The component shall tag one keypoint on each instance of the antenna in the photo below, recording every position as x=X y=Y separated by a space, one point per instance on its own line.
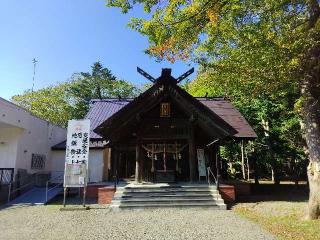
x=146 y=75
x=186 y=74
x=34 y=61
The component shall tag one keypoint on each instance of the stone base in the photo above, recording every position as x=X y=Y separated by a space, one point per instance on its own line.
x=105 y=194
x=227 y=193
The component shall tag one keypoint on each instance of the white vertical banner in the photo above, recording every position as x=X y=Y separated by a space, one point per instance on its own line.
x=201 y=163
x=77 y=153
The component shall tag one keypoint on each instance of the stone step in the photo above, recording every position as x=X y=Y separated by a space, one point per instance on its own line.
x=172 y=195
x=167 y=192
x=170 y=187
x=159 y=190
x=161 y=195
x=171 y=205
x=169 y=200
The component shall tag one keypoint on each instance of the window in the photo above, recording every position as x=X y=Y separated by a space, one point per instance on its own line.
x=38 y=161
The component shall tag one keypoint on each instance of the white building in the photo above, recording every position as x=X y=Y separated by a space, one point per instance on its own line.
x=26 y=140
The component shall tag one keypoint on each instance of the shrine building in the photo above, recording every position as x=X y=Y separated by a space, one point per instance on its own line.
x=163 y=135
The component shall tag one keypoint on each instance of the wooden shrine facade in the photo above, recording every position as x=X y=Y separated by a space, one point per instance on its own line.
x=156 y=136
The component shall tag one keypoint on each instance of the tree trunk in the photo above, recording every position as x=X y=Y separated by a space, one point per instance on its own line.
x=311 y=93
x=248 y=165
x=256 y=170
x=310 y=89
x=242 y=160
x=275 y=173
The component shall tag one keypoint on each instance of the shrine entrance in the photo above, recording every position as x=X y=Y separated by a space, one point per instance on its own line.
x=166 y=161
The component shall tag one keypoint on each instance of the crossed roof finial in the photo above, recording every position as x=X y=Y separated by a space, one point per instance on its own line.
x=166 y=72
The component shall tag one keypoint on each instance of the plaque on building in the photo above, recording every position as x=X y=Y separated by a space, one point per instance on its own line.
x=165 y=110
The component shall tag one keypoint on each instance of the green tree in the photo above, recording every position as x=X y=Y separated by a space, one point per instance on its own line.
x=256 y=46
x=51 y=103
x=98 y=84
x=70 y=100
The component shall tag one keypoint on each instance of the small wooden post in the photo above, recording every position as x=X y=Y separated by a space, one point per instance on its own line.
x=84 y=196
x=64 y=196
x=192 y=154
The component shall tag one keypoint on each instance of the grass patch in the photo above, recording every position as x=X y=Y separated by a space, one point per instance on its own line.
x=283 y=219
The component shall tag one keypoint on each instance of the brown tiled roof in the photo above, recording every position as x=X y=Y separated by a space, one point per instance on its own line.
x=101 y=110
x=231 y=115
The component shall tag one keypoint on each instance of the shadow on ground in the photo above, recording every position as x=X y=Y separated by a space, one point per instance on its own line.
x=271 y=192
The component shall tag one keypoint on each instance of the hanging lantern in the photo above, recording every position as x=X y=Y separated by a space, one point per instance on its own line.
x=155 y=157
x=148 y=154
x=179 y=156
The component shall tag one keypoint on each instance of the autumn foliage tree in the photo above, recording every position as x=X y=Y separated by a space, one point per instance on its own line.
x=256 y=47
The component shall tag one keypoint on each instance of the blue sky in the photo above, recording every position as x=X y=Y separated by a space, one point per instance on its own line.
x=67 y=37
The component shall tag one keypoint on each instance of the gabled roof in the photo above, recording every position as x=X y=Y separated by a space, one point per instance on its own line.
x=101 y=110
x=166 y=87
x=231 y=115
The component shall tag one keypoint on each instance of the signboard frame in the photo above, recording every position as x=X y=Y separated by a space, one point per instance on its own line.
x=77 y=156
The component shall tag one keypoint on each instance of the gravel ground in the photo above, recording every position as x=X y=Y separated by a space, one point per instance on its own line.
x=49 y=222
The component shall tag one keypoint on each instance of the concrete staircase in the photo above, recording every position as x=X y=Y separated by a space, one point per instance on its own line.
x=140 y=196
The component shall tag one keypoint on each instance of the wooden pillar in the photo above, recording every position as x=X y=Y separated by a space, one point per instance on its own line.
x=192 y=155
x=138 y=172
x=106 y=163
x=115 y=162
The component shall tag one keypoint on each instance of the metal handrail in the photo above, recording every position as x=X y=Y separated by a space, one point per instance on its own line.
x=209 y=171
x=55 y=186
x=215 y=179
x=21 y=187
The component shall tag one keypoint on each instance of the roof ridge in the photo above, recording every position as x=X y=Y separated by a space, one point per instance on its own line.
x=111 y=99
x=211 y=98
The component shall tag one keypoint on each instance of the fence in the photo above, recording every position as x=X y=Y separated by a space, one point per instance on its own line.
x=6 y=176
